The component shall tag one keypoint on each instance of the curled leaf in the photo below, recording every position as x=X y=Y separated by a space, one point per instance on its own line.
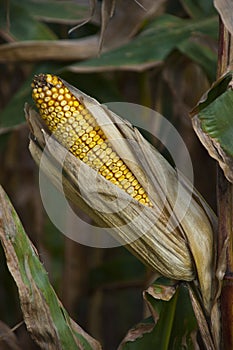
x=212 y=120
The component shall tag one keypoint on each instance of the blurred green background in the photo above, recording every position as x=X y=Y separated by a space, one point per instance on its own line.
x=161 y=54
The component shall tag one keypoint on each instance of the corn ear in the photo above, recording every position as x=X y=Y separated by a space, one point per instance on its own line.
x=76 y=128
x=181 y=250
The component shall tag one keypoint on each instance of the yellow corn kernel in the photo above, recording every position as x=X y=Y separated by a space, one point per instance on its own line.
x=74 y=126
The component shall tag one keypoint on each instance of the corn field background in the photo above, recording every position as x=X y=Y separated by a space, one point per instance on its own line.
x=160 y=54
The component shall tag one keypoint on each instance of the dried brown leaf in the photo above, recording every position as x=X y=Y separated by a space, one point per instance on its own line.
x=225 y=9
x=107 y=10
x=59 y=50
x=160 y=292
x=135 y=333
x=202 y=321
x=121 y=20
x=88 y=19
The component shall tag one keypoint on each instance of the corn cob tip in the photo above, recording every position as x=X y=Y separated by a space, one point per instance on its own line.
x=39 y=80
x=42 y=80
x=76 y=128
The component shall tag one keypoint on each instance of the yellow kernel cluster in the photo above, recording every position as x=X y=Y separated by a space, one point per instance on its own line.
x=76 y=128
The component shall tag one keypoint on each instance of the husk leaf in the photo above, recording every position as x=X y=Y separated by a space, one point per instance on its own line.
x=175 y=237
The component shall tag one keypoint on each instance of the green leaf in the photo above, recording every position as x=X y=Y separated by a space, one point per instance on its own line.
x=151 y=46
x=199 y=8
x=57 y=11
x=22 y=26
x=175 y=328
x=38 y=298
x=217 y=121
x=217 y=89
x=216 y=113
x=213 y=123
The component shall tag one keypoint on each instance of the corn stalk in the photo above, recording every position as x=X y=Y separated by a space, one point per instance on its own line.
x=225 y=209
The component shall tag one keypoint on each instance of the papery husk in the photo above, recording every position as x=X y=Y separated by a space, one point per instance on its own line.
x=175 y=237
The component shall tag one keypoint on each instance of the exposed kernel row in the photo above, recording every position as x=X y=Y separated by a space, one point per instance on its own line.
x=74 y=126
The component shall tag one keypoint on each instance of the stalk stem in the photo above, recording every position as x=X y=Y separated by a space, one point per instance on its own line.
x=225 y=213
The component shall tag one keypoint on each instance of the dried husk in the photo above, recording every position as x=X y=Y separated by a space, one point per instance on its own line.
x=175 y=237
